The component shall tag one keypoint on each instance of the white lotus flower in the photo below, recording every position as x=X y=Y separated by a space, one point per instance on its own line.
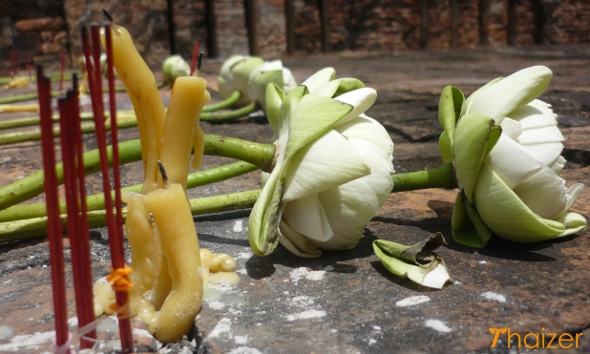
x=235 y=76
x=174 y=67
x=270 y=72
x=333 y=172
x=515 y=189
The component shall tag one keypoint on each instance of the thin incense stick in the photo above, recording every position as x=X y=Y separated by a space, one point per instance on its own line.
x=195 y=55
x=54 y=230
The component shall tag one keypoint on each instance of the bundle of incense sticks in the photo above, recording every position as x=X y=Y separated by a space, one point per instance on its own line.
x=77 y=222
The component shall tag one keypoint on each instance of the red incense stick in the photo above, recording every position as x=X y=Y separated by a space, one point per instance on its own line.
x=115 y=239
x=63 y=69
x=194 y=60
x=95 y=48
x=122 y=296
x=76 y=208
x=54 y=229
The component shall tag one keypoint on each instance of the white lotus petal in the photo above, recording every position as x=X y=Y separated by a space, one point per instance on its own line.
x=539 y=104
x=367 y=128
x=511 y=128
x=511 y=162
x=271 y=65
x=544 y=193
x=328 y=89
x=381 y=168
x=515 y=90
x=572 y=193
x=353 y=204
x=573 y=222
x=323 y=164
x=289 y=82
x=558 y=165
x=547 y=153
x=297 y=243
x=437 y=277
x=306 y=216
x=361 y=99
x=541 y=135
x=531 y=117
x=319 y=79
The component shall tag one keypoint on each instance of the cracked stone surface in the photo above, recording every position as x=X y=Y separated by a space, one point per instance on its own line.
x=346 y=302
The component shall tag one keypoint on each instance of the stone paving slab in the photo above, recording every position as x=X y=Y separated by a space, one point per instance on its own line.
x=346 y=302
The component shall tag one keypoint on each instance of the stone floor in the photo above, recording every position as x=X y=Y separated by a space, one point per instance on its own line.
x=346 y=302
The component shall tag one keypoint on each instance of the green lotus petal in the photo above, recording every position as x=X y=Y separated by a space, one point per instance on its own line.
x=348 y=84
x=506 y=215
x=469 y=149
x=449 y=110
x=258 y=87
x=311 y=118
x=417 y=262
x=264 y=219
x=288 y=105
x=467 y=226
x=244 y=68
x=444 y=146
x=274 y=98
x=573 y=222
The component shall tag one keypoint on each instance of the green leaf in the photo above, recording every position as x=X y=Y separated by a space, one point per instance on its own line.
x=264 y=219
x=418 y=262
x=467 y=226
x=469 y=149
x=449 y=110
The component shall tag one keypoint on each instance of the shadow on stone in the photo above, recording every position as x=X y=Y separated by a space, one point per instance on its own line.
x=224 y=240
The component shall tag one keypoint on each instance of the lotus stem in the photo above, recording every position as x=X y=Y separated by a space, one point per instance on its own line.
x=20 y=230
x=228 y=102
x=219 y=117
x=438 y=177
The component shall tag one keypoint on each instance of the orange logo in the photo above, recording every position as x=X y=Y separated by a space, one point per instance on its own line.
x=532 y=340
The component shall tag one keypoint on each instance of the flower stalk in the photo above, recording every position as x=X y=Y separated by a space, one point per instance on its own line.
x=438 y=177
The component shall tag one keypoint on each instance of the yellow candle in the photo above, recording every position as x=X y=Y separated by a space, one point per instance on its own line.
x=143 y=92
x=182 y=119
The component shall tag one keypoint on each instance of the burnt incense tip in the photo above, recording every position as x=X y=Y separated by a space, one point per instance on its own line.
x=162 y=172
x=200 y=60
x=107 y=15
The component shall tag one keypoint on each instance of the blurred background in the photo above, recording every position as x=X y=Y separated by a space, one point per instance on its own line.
x=42 y=29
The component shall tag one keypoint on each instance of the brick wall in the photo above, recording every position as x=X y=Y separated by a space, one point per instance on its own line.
x=42 y=29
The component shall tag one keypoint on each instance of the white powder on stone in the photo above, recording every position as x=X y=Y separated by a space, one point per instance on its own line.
x=483 y=262
x=244 y=350
x=372 y=341
x=223 y=327
x=303 y=272
x=302 y=301
x=28 y=342
x=241 y=339
x=306 y=315
x=239 y=226
x=412 y=301
x=216 y=305
x=438 y=326
x=73 y=322
x=244 y=255
x=493 y=296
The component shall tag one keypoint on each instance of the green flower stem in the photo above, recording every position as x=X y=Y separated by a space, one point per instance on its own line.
x=30 y=121
x=260 y=155
x=228 y=102
x=96 y=201
x=32 y=135
x=439 y=177
x=36 y=227
x=23 y=97
x=219 y=117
